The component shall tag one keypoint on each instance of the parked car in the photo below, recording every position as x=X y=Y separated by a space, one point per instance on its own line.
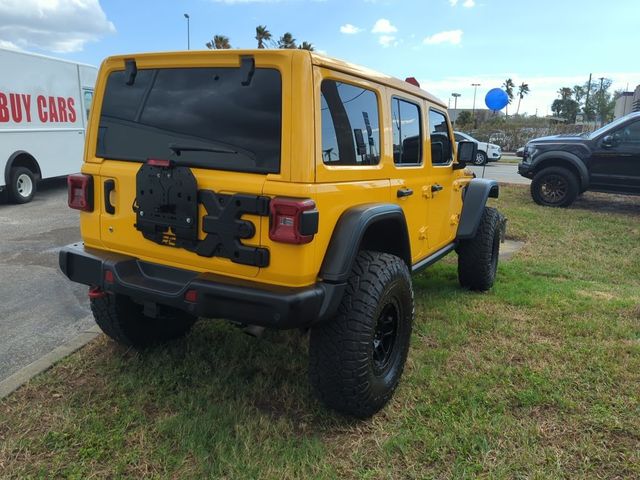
x=487 y=152
x=43 y=111
x=563 y=166
x=204 y=193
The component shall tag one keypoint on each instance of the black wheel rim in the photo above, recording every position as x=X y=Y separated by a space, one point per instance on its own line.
x=553 y=188
x=384 y=338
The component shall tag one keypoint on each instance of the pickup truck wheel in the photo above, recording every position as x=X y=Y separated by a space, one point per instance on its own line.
x=481 y=158
x=356 y=359
x=123 y=320
x=478 y=256
x=554 y=187
x=22 y=186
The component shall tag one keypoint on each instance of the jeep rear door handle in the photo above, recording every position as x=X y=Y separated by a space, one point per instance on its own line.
x=404 y=192
x=436 y=188
x=109 y=186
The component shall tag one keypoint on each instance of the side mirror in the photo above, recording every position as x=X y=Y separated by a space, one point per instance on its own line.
x=609 y=141
x=467 y=152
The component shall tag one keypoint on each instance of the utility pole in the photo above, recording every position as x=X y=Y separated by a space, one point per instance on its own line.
x=186 y=15
x=586 y=101
x=600 y=102
x=455 y=105
x=473 y=110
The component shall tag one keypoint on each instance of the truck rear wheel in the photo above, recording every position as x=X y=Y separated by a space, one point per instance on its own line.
x=356 y=359
x=22 y=185
x=124 y=321
x=478 y=256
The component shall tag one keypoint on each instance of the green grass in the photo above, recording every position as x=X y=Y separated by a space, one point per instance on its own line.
x=539 y=378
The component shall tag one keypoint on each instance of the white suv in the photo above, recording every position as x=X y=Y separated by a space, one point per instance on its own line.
x=487 y=152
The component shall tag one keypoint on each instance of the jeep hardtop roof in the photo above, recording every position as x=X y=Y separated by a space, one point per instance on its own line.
x=316 y=59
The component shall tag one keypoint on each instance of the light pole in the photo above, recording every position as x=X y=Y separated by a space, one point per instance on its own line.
x=186 y=15
x=475 y=89
x=455 y=105
x=473 y=111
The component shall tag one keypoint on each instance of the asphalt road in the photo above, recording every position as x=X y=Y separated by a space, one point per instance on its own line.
x=502 y=172
x=39 y=308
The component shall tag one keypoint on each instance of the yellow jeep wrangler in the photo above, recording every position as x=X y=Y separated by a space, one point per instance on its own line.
x=274 y=188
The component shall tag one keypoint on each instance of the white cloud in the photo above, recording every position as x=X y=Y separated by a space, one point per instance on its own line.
x=387 y=40
x=466 y=4
x=453 y=37
x=350 y=29
x=383 y=26
x=9 y=45
x=54 y=25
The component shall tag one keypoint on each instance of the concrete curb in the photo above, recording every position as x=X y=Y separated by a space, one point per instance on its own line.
x=22 y=376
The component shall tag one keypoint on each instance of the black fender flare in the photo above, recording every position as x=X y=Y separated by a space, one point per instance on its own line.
x=475 y=198
x=569 y=157
x=12 y=159
x=349 y=233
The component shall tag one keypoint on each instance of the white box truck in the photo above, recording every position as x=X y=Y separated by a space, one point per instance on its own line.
x=44 y=104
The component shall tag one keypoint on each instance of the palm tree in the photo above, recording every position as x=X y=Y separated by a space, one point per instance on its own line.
x=262 y=35
x=306 y=46
x=220 y=42
x=522 y=91
x=565 y=93
x=287 y=41
x=508 y=86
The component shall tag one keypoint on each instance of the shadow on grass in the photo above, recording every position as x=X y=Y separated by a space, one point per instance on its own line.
x=603 y=202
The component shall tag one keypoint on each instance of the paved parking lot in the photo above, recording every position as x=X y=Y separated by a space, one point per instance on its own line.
x=39 y=308
x=502 y=172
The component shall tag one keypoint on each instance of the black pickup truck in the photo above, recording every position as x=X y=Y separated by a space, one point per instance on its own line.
x=563 y=166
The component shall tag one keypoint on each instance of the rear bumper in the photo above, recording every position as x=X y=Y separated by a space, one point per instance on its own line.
x=219 y=297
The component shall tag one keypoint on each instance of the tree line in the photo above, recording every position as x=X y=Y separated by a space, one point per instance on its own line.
x=593 y=99
x=265 y=40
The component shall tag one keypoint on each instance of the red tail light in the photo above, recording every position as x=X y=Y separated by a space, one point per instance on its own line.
x=293 y=220
x=80 y=191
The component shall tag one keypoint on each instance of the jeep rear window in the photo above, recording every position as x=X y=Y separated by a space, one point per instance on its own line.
x=200 y=117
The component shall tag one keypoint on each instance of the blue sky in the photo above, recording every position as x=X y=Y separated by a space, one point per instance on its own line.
x=446 y=44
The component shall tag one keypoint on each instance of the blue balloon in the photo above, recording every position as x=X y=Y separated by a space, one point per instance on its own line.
x=496 y=99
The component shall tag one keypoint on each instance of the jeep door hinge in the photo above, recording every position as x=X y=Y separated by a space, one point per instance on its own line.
x=427 y=192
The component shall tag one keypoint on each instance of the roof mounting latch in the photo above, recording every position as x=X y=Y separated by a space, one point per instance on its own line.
x=130 y=71
x=247 y=69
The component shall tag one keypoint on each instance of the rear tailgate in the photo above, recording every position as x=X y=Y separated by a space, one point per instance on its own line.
x=185 y=144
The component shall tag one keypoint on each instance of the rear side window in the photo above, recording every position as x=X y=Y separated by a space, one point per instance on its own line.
x=407 y=132
x=207 y=113
x=441 y=152
x=350 y=124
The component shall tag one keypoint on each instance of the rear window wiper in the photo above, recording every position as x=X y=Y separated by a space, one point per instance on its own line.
x=177 y=149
